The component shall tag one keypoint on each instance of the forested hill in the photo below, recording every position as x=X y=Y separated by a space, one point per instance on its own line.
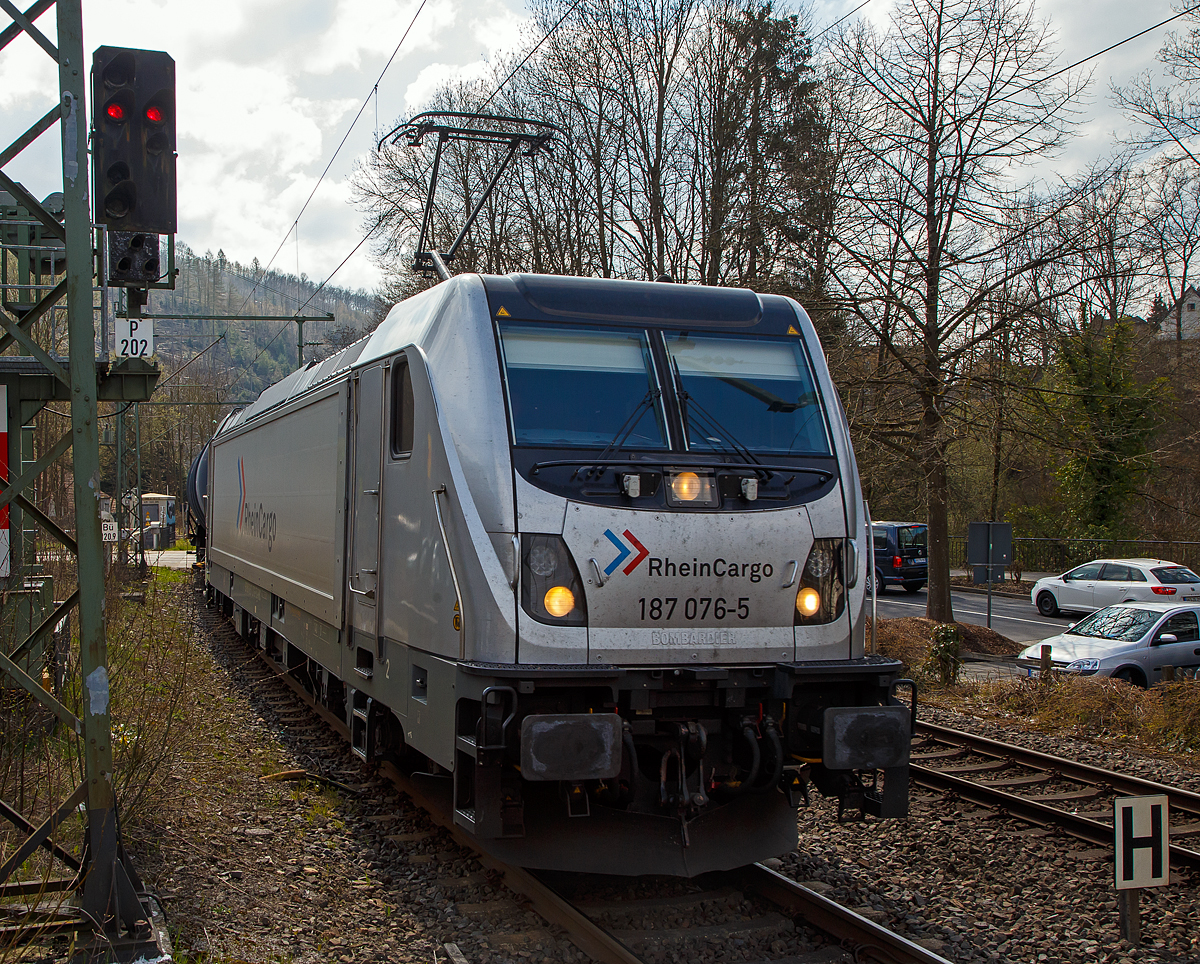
x=251 y=354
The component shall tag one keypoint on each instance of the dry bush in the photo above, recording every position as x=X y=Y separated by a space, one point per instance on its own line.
x=1164 y=717
x=908 y=640
x=151 y=645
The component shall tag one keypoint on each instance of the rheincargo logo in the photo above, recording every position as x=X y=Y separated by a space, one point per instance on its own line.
x=623 y=552
x=720 y=568
x=257 y=523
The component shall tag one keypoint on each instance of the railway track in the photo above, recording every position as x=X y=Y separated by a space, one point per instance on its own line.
x=753 y=907
x=1043 y=789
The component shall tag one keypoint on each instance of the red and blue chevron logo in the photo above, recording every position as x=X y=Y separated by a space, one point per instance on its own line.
x=624 y=552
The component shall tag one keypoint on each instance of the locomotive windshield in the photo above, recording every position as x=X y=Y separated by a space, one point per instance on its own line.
x=589 y=388
x=581 y=388
x=753 y=394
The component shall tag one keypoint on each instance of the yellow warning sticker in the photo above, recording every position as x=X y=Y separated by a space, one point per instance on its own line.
x=502 y=313
x=791 y=328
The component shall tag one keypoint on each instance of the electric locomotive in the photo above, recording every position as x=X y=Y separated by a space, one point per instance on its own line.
x=592 y=552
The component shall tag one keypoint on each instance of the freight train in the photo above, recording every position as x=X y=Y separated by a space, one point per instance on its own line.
x=588 y=554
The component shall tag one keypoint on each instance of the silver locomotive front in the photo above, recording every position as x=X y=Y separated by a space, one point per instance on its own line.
x=688 y=521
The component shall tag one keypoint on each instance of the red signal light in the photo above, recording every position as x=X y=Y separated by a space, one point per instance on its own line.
x=897 y=562
x=154 y=114
x=115 y=112
x=1163 y=590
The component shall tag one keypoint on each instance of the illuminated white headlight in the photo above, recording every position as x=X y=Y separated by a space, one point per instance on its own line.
x=690 y=490
x=808 y=601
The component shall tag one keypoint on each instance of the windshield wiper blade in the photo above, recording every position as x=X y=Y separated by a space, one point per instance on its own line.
x=725 y=437
x=773 y=402
x=617 y=443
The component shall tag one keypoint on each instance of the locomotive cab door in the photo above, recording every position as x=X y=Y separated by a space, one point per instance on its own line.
x=367 y=493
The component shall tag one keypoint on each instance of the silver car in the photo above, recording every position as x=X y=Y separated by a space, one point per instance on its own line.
x=1132 y=641
x=1105 y=582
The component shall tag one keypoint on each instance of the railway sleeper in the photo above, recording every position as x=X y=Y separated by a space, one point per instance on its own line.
x=771 y=924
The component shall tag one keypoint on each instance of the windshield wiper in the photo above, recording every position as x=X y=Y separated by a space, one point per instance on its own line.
x=725 y=438
x=773 y=402
x=617 y=443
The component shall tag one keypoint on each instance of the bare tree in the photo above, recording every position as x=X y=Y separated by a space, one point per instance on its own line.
x=1099 y=237
x=1171 y=229
x=947 y=104
x=1169 y=113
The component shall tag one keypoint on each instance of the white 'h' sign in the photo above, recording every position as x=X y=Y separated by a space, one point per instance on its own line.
x=1141 y=829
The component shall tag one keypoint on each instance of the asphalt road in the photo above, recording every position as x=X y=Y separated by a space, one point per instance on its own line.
x=1014 y=618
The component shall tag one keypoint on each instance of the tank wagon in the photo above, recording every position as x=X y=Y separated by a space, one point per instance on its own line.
x=591 y=552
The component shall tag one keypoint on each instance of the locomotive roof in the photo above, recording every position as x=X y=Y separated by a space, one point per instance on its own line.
x=549 y=299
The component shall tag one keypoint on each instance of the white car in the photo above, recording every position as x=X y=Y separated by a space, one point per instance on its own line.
x=1105 y=582
x=1131 y=642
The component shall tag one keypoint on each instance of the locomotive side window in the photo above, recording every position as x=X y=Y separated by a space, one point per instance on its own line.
x=582 y=388
x=402 y=409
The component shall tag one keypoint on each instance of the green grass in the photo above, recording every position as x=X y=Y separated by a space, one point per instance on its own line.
x=171 y=577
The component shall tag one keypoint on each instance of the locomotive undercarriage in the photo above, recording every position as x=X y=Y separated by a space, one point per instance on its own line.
x=703 y=767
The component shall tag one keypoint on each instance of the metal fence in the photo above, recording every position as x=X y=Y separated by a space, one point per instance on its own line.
x=1058 y=555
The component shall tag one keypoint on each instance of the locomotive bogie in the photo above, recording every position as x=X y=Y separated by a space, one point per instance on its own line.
x=617 y=655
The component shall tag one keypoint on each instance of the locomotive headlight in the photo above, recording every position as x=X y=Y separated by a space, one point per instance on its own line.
x=691 y=489
x=808 y=601
x=686 y=486
x=822 y=593
x=820 y=560
x=543 y=561
x=559 y=600
x=551 y=590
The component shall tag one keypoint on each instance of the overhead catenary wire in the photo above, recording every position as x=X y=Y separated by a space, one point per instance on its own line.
x=574 y=6
x=525 y=59
x=362 y=107
x=842 y=20
x=1100 y=53
x=492 y=96
x=533 y=50
x=374 y=93
x=512 y=73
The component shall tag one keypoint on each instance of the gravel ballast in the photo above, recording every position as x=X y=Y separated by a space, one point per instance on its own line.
x=269 y=870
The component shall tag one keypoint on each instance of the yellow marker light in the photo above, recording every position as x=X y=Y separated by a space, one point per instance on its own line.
x=808 y=601
x=686 y=486
x=559 y=600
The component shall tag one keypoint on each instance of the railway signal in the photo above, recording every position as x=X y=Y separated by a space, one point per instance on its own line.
x=133 y=158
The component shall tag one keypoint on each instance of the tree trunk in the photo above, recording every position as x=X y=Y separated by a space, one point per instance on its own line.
x=938 y=605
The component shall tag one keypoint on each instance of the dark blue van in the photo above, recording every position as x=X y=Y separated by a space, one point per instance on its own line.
x=901 y=554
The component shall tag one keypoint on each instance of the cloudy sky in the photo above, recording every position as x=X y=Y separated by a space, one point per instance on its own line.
x=267 y=89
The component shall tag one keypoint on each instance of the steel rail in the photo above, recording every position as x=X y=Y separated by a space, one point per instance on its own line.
x=1180 y=799
x=1033 y=811
x=869 y=941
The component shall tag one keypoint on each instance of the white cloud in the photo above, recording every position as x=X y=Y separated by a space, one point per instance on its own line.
x=346 y=42
x=435 y=75
x=28 y=77
x=267 y=90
